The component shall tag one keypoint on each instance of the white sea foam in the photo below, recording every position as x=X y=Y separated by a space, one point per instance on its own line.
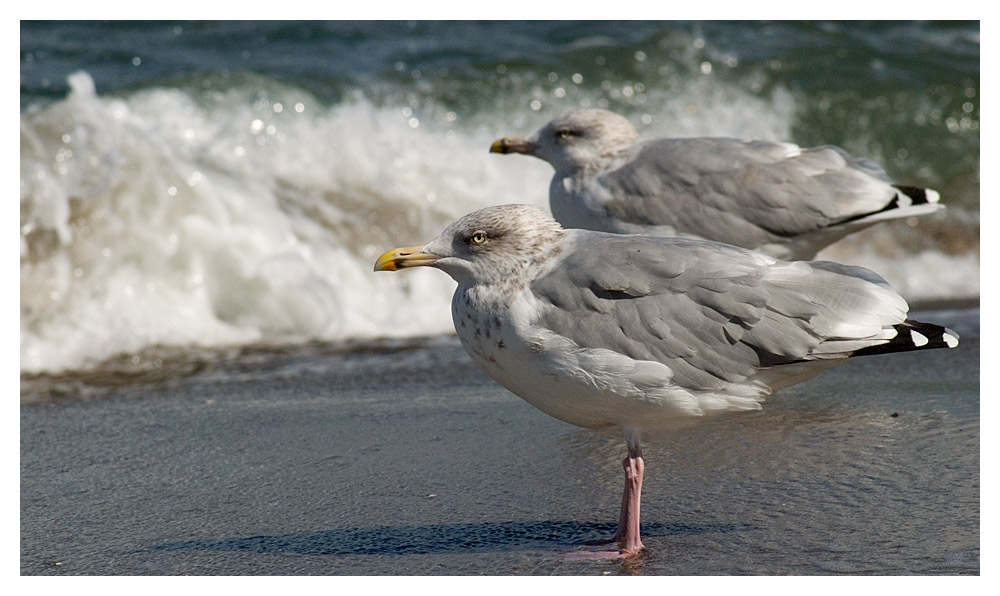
x=169 y=217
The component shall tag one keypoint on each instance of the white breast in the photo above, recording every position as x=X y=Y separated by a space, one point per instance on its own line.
x=591 y=388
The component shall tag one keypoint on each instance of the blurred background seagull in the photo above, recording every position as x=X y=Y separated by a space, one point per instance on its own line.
x=776 y=198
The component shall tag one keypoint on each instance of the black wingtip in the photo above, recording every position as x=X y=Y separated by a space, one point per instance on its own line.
x=913 y=335
x=906 y=196
x=917 y=196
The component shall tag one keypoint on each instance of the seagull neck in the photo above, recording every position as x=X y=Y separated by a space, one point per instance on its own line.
x=502 y=289
x=595 y=164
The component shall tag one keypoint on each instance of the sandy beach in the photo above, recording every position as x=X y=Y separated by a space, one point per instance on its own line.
x=408 y=461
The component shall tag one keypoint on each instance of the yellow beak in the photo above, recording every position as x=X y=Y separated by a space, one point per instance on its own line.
x=512 y=145
x=401 y=258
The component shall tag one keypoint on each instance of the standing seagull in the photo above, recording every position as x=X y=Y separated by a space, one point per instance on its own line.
x=776 y=198
x=605 y=330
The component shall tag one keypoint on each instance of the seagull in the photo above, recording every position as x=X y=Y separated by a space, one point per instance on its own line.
x=776 y=198
x=632 y=332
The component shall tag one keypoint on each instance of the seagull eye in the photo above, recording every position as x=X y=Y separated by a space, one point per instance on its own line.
x=479 y=237
x=565 y=133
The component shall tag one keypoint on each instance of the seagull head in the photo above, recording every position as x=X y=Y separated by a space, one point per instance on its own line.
x=587 y=140
x=493 y=246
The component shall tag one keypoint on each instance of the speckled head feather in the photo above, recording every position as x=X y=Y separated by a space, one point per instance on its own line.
x=588 y=140
x=502 y=245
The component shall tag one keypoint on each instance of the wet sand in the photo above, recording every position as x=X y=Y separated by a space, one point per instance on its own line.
x=409 y=461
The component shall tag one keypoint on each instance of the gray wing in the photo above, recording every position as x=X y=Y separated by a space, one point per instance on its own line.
x=714 y=314
x=744 y=192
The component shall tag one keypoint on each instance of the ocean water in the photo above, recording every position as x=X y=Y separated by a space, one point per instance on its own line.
x=188 y=188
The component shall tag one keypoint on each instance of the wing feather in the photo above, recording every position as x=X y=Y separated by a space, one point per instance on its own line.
x=713 y=314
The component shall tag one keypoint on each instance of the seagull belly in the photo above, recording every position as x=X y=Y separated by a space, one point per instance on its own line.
x=590 y=388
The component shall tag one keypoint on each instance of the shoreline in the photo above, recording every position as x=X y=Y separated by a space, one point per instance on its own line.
x=158 y=365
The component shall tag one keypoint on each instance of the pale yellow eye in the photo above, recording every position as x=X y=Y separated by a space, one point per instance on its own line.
x=479 y=237
x=564 y=134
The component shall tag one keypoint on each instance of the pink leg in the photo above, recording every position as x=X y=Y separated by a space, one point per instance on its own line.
x=628 y=522
x=627 y=536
